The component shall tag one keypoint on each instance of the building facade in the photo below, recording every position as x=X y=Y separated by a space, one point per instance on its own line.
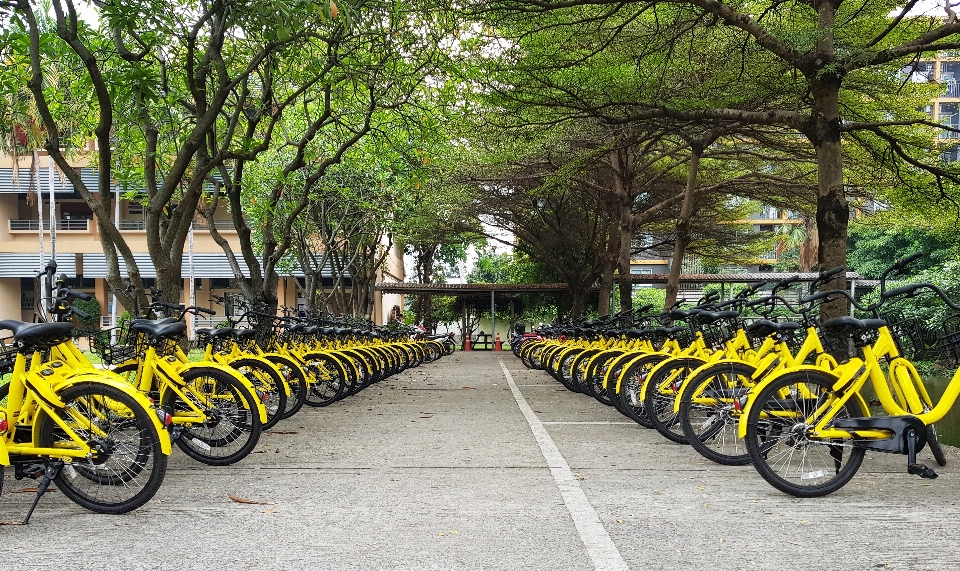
x=79 y=254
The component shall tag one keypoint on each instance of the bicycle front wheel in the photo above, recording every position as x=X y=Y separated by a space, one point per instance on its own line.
x=268 y=383
x=710 y=412
x=232 y=428
x=781 y=442
x=128 y=464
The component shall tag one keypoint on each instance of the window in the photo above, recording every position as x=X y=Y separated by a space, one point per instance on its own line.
x=134 y=209
x=950 y=116
x=949 y=75
x=921 y=72
x=951 y=154
x=219 y=283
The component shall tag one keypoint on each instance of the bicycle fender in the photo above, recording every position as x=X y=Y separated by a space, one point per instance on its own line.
x=662 y=365
x=745 y=412
x=697 y=371
x=263 y=359
x=4 y=457
x=232 y=372
x=624 y=357
x=289 y=359
x=117 y=382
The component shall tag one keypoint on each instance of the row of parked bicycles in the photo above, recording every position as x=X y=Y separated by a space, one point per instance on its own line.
x=782 y=389
x=103 y=433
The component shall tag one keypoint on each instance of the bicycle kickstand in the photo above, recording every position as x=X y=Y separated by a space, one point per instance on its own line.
x=912 y=466
x=53 y=469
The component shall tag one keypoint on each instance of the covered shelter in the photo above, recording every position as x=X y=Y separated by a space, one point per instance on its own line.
x=487 y=294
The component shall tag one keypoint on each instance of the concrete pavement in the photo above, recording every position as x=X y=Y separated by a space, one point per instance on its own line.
x=439 y=468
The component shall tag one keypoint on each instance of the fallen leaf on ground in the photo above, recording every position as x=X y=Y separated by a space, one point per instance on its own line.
x=32 y=490
x=283 y=432
x=11 y=523
x=240 y=500
x=269 y=511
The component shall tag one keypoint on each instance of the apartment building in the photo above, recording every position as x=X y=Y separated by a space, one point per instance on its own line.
x=946 y=107
x=80 y=257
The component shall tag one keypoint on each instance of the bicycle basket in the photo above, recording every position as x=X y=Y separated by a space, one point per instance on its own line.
x=948 y=344
x=113 y=353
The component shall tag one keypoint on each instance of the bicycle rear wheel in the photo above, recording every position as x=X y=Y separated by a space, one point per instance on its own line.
x=127 y=466
x=781 y=442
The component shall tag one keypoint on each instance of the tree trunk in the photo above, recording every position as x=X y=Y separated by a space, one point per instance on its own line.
x=833 y=212
x=623 y=260
x=606 y=288
x=683 y=228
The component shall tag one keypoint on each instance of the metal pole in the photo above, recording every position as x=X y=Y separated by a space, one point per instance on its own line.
x=193 y=289
x=493 y=317
x=853 y=295
x=113 y=312
x=34 y=176
x=53 y=210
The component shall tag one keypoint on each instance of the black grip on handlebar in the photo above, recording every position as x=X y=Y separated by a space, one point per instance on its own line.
x=825 y=295
x=906 y=290
x=787 y=282
x=901 y=263
x=207 y=311
x=79 y=313
x=66 y=292
x=168 y=305
x=712 y=296
x=831 y=273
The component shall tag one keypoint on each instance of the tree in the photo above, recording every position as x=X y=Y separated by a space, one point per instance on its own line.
x=174 y=93
x=828 y=70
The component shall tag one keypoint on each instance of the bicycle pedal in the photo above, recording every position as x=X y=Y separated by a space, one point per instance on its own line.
x=922 y=471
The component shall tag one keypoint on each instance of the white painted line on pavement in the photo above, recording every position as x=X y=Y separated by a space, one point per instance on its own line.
x=585 y=422
x=605 y=555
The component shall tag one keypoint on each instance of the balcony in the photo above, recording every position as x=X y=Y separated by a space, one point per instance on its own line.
x=75 y=225
x=132 y=225
x=219 y=224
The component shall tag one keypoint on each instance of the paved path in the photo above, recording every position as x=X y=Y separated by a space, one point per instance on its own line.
x=464 y=464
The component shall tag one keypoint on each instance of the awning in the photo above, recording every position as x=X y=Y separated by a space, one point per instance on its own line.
x=24 y=265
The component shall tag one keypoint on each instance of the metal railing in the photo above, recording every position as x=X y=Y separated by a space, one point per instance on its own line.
x=132 y=225
x=219 y=224
x=62 y=224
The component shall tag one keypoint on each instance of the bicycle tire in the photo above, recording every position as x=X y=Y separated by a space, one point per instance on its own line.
x=709 y=416
x=297 y=381
x=663 y=386
x=933 y=441
x=611 y=370
x=330 y=379
x=631 y=381
x=564 y=369
x=130 y=465
x=778 y=436
x=233 y=428
x=268 y=383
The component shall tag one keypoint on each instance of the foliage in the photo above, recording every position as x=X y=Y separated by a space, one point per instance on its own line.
x=927 y=308
x=649 y=296
x=90 y=307
x=871 y=248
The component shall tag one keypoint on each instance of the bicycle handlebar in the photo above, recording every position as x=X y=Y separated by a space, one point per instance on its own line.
x=66 y=292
